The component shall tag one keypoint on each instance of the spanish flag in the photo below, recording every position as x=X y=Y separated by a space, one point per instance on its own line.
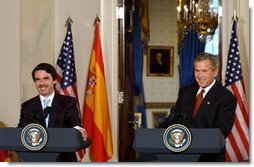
x=95 y=112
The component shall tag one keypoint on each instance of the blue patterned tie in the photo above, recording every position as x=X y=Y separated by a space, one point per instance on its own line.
x=45 y=103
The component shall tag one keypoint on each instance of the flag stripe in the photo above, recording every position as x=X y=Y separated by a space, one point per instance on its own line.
x=241 y=140
x=242 y=127
x=98 y=150
x=234 y=146
x=238 y=140
x=240 y=103
x=98 y=54
x=240 y=116
x=230 y=157
x=88 y=123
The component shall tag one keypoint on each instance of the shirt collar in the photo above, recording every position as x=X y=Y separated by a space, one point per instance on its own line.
x=49 y=98
x=206 y=88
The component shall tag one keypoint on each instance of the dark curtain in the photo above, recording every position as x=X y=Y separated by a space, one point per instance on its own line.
x=139 y=102
x=191 y=48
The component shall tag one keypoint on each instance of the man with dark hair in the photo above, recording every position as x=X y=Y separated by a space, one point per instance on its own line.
x=216 y=108
x=63 y=113
x=46 y=67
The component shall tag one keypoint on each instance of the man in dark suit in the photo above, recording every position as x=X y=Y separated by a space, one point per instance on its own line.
x=159 y=66
x=217 y=109
x=63 y=109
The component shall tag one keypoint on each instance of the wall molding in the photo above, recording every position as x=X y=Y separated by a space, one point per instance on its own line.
x=159 y=105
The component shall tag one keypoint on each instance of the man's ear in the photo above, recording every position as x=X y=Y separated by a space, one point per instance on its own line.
x=215 y=72
x=54 y=81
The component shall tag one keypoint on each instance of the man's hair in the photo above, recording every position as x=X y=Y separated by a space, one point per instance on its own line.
x=207 y=56
x=46 y=67
x=158 y=53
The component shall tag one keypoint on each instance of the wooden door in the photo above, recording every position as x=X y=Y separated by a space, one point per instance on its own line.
x=126 y=111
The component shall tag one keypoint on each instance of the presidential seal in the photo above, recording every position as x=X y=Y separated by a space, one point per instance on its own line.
x=34 y=137
x=177 y=138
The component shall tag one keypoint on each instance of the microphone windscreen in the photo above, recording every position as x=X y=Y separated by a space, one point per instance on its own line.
x=45 y=112
x=47 y=109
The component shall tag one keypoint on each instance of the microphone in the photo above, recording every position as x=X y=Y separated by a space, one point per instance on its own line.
x=184 y=118
x=179 y=117
x=45 y=112
x=171 y=119
x=33 y=118
x=42 y=115
x=174 y=116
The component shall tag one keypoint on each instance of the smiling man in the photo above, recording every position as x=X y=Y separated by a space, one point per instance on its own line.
x=206 y=103
x=63 y=109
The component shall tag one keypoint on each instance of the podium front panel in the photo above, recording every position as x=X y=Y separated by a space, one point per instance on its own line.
x=203 y=141
x=59 y=140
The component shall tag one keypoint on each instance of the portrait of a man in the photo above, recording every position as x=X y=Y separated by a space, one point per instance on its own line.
x=159 y=66
x=160 y=61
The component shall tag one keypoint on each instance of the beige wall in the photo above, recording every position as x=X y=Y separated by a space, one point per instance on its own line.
x=163 y=32
x=37 y=41
x=10 y=61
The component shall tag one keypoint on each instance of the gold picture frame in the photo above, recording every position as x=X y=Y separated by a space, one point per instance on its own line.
x=158 y=117
x=160 y=61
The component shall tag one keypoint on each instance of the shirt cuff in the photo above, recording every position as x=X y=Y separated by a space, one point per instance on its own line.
x=78 y=127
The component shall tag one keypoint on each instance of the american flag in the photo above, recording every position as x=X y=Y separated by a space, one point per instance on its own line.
x=237 y=143
x=66 y=73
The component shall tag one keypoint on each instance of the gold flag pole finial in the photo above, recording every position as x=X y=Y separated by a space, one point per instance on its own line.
x=69 y=21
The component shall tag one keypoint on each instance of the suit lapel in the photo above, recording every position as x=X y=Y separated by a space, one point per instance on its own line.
x=38 y=104
x=55 y=111
x=37 y=108
x=194 y=92
x=192 y=98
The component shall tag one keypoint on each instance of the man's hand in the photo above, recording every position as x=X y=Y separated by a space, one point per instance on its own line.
x=82 y=131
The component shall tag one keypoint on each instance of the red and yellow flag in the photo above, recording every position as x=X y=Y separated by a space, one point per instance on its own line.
x=95 y=112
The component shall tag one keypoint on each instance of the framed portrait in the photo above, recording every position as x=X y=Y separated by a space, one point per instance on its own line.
x=158 y=117
x=138 y=119
x=160 y=61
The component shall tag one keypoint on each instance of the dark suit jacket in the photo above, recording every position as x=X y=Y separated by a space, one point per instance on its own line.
x=217 y=110
x=159 y=68
x=64 y=113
